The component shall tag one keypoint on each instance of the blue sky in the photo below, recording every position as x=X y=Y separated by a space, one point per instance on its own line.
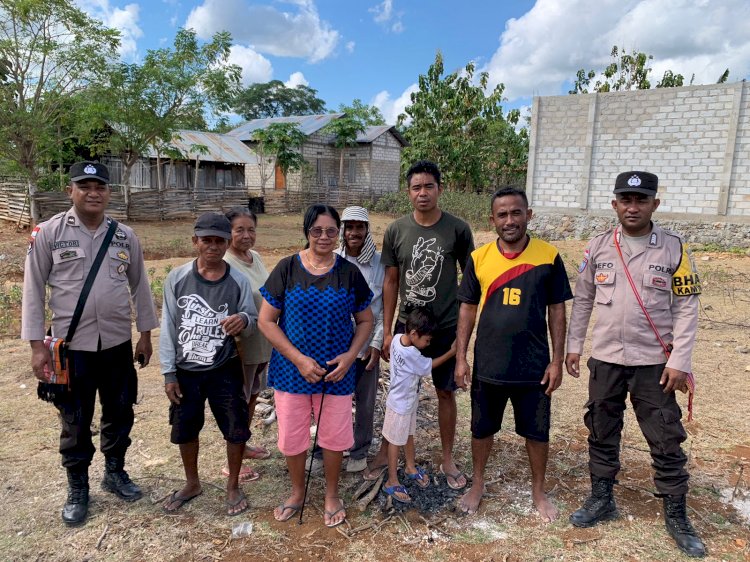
x=375 y=51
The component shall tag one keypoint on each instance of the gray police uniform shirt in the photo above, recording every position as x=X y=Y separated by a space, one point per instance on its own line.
x=192 y=337
x=60 y=255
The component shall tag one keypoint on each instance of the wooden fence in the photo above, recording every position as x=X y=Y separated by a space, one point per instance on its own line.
x=155 y=205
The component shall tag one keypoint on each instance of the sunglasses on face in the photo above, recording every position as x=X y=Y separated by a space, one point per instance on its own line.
x=317 y=232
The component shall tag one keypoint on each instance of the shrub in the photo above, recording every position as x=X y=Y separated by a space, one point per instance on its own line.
x=474 y=208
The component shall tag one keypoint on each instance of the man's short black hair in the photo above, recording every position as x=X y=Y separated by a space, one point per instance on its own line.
x=509 y=190
x=421 y=321
x=423 y=167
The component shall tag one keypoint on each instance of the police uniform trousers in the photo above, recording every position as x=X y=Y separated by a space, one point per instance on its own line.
x=658 y=415
x=111 y=372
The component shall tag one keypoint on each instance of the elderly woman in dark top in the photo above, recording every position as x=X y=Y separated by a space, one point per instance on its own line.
x=316 y=314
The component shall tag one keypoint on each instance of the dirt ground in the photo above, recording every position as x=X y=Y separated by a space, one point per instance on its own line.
x=506 y=527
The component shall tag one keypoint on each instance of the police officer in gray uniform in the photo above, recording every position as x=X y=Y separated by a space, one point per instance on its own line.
x=60 y=255
x=627 y=356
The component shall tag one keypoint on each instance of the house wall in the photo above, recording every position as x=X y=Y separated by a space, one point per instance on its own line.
x=376 y=166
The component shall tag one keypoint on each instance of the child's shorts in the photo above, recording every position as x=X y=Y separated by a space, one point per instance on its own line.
x=294 y=413
x=397 y=427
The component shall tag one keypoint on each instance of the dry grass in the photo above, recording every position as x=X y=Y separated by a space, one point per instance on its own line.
x=506 y=527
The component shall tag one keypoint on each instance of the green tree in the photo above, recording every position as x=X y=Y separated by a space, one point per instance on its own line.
x=626 y=71
x=453 y=122
x=142 y=105
x=368 y=115
x=345 y=130
x=274 y=99
x=279 y=144
x=51 y=51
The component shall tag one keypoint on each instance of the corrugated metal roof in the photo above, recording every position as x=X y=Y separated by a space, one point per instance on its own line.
x=308 y=124
x=221 y=148
x=371 y=133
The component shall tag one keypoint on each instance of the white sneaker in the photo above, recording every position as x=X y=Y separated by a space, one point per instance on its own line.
x=356 y=465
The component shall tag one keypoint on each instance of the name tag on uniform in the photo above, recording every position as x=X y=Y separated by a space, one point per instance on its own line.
x=658 y=282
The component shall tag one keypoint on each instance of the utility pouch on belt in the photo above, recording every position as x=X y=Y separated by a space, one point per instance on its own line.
x=57 y=385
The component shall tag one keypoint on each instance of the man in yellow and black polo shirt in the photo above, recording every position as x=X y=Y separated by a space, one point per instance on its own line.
x=513 y=283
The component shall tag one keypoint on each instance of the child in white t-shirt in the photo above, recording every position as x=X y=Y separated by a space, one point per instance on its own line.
x=408 y=366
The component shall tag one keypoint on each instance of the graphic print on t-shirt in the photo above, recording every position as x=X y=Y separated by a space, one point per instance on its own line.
x=424 y=271
x=200 y=333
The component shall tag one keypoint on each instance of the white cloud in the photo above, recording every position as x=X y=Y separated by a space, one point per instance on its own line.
x=545 y=47
x=125 y=20
x=382 y=11
x=350 y=46
x=385 y=16
x=296 y=79
x=391 y=108
x=255 y=67
x=288 y=34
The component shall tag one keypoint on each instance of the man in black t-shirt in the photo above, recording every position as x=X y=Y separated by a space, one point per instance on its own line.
x=513 y=283
x=421 y=252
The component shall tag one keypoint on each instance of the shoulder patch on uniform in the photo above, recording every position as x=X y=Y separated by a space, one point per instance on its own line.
x=71 y=219
x=585 y=261
x=120 y=235
x=685 y=281
x=32 y=237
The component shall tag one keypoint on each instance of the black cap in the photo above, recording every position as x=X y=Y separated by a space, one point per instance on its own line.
x=89 y=171
x=213 y=224
x=637 y=182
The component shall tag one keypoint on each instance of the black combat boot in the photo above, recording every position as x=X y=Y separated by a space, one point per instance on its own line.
x=600 y=505
x=678 y=525
x=117 y=481
x=77 y=505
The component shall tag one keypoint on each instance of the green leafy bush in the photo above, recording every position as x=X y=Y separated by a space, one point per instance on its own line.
x=474 y=208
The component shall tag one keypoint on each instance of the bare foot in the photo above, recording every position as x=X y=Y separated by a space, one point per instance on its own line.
x=469 y=502
x=547 y=511
x=289 y=508
x=334 y=512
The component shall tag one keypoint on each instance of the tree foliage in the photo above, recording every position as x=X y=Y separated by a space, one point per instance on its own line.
x=345 y=130
x=274 y=99
x=368 y=115
x=278 y=144
x=463 y=129
x=626 y=71
x=142 y=105
x=50 y=51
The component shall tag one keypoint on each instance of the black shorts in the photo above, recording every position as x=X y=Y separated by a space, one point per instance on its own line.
x=531 y=409
x=223 y=387
x=441 y=342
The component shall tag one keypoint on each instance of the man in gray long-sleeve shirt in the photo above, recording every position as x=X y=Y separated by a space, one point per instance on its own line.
x=60 y=255
x=206 y=304
x=634 y=268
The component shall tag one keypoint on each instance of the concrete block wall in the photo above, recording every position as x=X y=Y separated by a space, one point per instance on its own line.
x=696 y=139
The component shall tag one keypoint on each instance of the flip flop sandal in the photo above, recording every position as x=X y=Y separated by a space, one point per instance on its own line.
x=257 y=453
x=399 y=489
x=420 y=477
x=331 y=514
x=247 y=474
x=374 y=473
x=181 y=502
x=230 y=505
x=293 y=509
x=455 y=476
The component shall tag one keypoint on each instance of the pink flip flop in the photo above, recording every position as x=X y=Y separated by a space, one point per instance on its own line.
x=247 y=474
